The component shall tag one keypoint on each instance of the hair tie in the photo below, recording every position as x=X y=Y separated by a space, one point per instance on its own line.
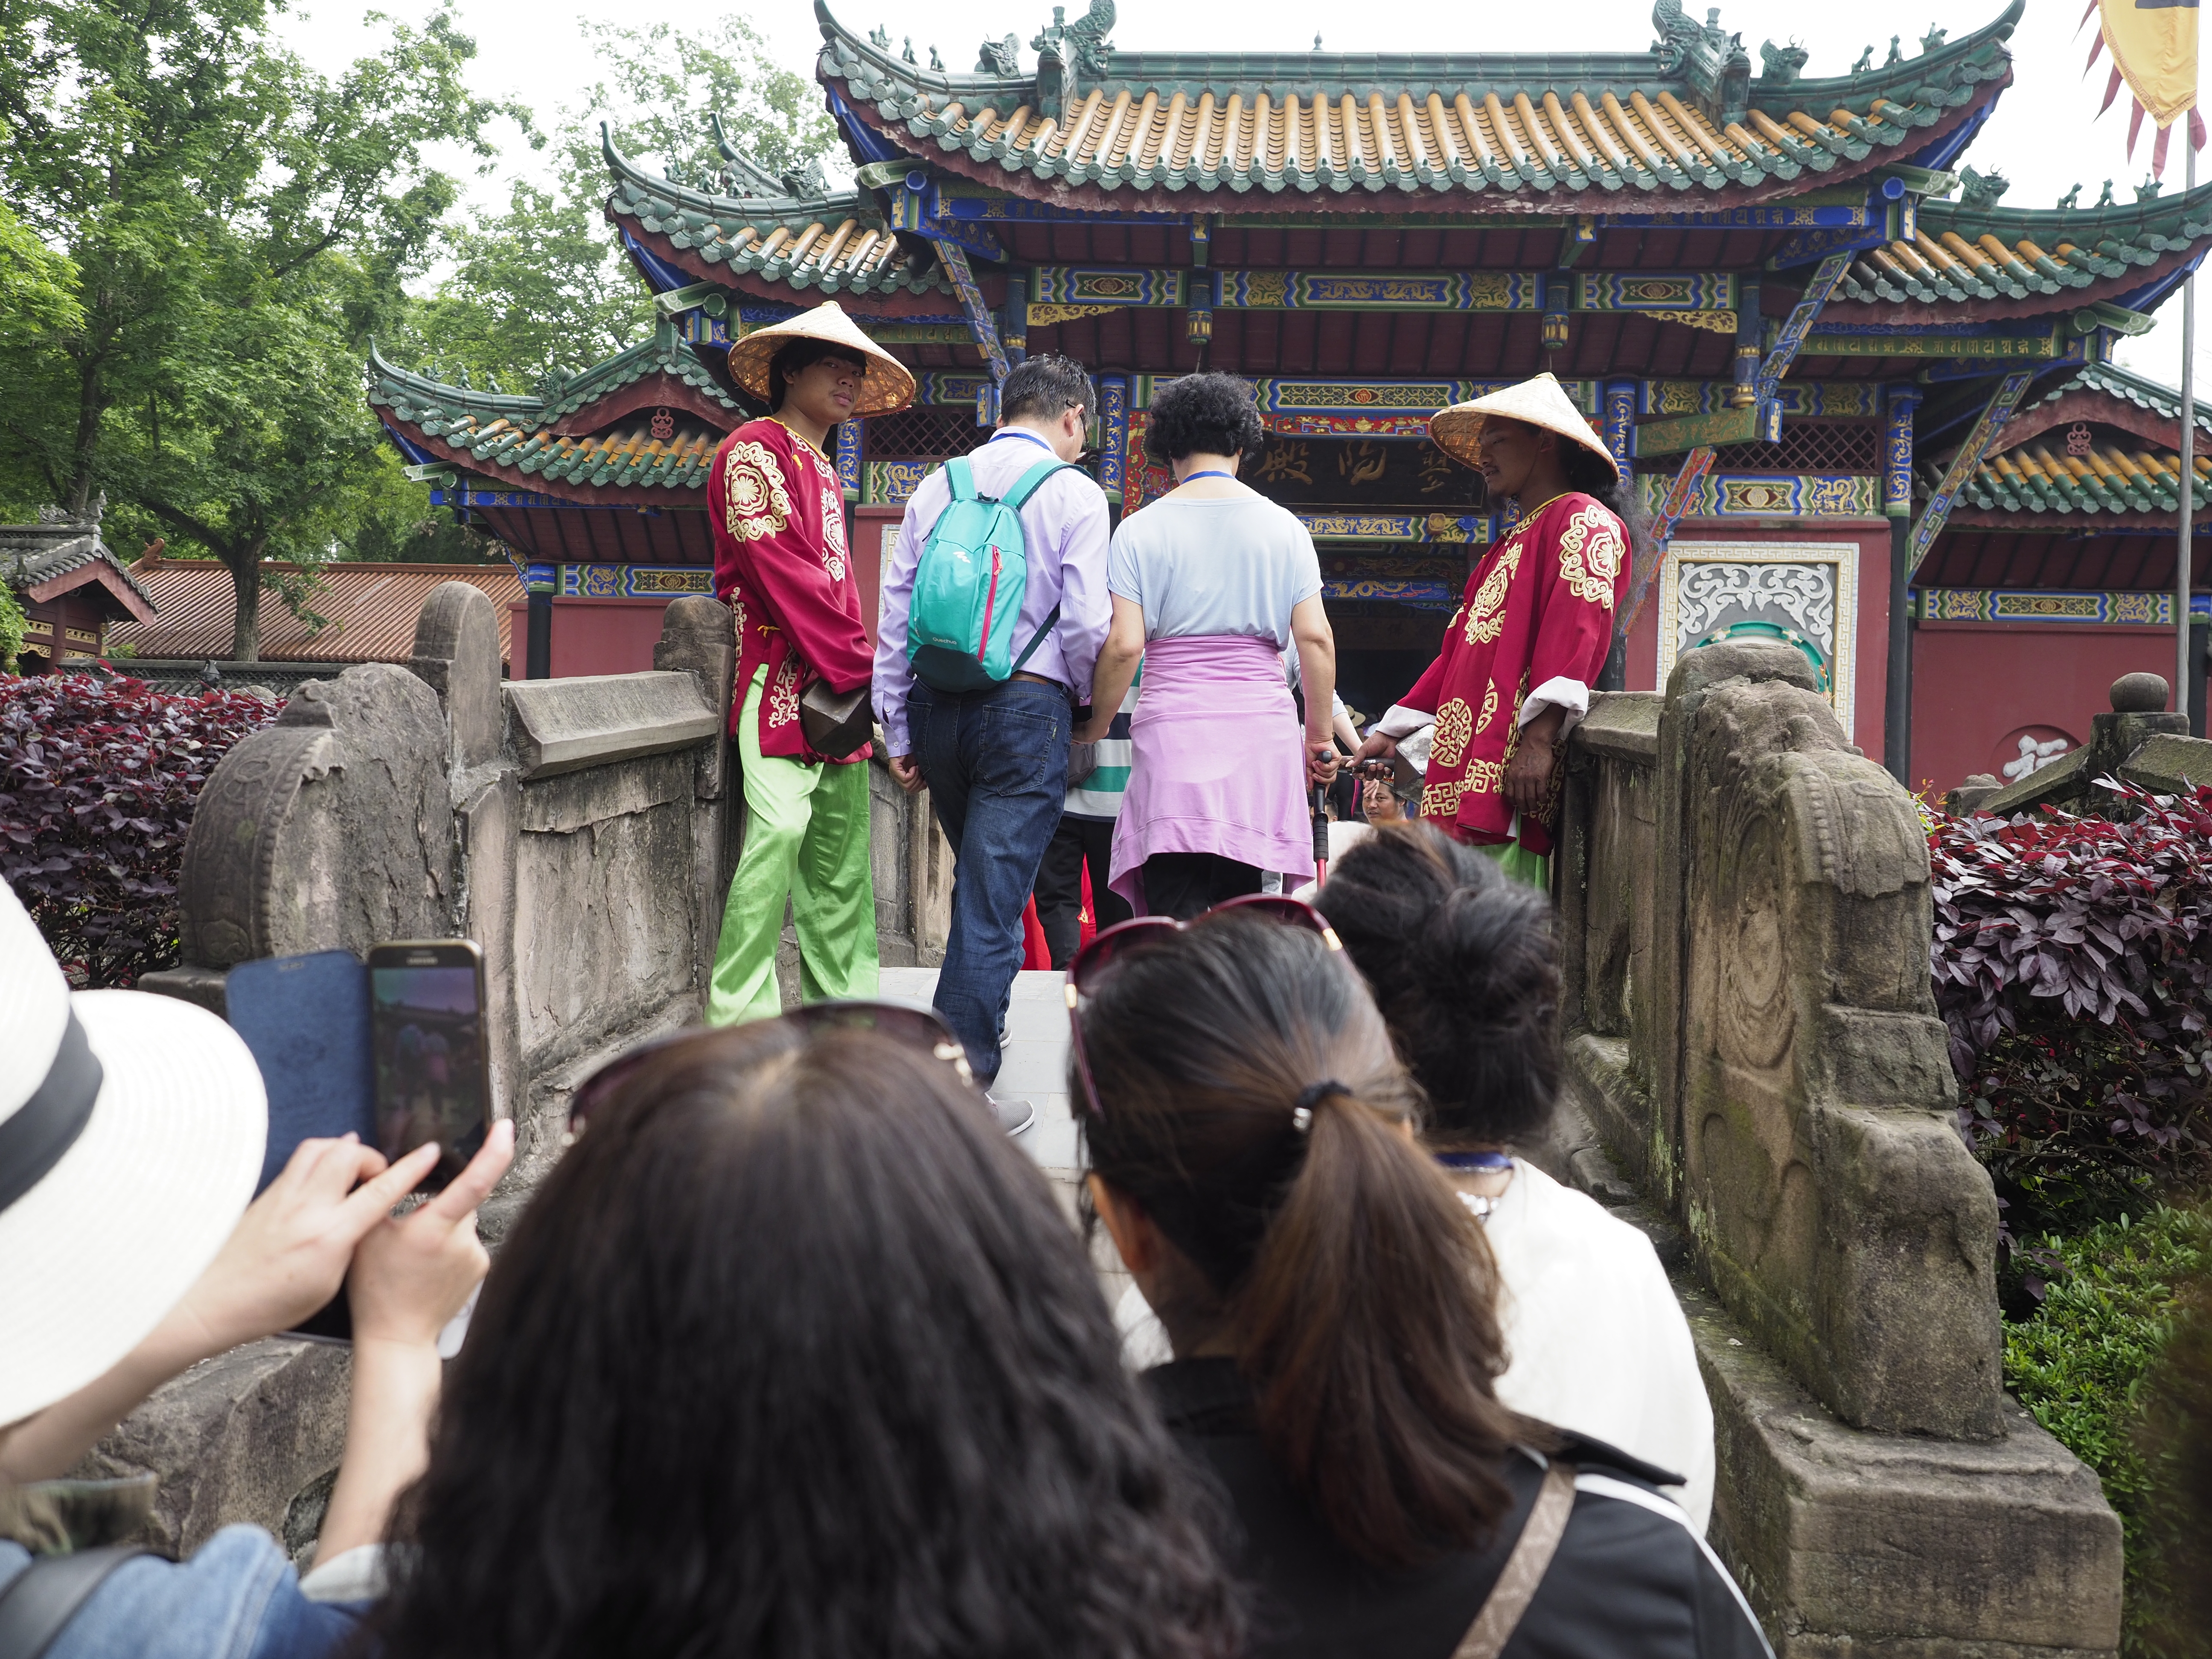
x=1310 y=1096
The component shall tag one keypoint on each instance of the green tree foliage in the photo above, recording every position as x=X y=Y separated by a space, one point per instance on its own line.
x=238 y=226
x=544 y=289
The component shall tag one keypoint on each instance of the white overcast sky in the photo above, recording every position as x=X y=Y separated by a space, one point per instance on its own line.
x=2042 y=137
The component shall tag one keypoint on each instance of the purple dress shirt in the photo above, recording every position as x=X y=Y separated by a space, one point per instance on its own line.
x=1065 y=528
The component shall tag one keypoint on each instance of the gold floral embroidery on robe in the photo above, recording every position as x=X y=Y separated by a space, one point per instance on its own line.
x=1455 y=725
x=1489 y=709
x=755 y=501
x=834 y=549
x=783 y=695
x=1485 y=612
x=1589 y=556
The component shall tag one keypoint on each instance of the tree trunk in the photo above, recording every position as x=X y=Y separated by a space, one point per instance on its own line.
x=245 y=592
x=91 y=406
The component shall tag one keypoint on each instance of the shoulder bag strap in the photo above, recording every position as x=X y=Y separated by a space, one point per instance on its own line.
x=962 y=476
x=46 y=1595
x=1524 y=1569
x=1027 y=485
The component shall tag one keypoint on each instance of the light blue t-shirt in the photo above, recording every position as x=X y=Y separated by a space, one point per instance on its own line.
x=1231 y=564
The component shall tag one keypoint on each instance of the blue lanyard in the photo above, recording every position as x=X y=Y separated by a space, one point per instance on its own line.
x=1476 y=1163
x=1209 y=473
x=1023 y=432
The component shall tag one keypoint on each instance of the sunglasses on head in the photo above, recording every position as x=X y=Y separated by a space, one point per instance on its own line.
x=1096 y=960
x=919 y=1029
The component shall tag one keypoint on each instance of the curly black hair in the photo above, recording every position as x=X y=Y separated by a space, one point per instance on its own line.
x=1210 y=414
x=1459 y=958
x=793 y=1355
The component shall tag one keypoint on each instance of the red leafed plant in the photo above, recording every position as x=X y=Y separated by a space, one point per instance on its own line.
x=98 y=780
x=2072 y=961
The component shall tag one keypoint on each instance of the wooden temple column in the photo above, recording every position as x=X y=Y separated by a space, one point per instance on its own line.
x=1898 y=404
x=1113 y=440
x=538 y=584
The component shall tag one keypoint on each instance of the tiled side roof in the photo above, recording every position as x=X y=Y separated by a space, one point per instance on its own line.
x=31 y=554
x=2042 y=478
x=2114 y=381
x=421 y=401
x=1325 y=123
x=371 y=608
x=629 y=458
x=837 y=242
x=1962 y=253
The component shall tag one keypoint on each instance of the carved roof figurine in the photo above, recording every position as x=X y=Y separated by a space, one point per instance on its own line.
x=1981 y=189
x=2147 y=190
x=1780 y=64
x=2106 y=198
x=935 y=61
x=2070 y=198
x=1932 y=39
x=1896 y=55
x=880 y=37
x=1863 y=62
x=1002 y=57
x=1100 y=127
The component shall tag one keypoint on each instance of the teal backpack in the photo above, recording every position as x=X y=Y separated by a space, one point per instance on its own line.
x=969 y=585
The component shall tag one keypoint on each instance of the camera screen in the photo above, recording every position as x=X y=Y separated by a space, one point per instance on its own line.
x=428 y=1035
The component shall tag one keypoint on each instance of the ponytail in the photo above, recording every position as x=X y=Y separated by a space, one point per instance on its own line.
x=1367 y=1330
x=1252 y=1107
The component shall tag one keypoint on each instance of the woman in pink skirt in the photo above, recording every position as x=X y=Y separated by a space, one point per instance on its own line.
x=1211 y=584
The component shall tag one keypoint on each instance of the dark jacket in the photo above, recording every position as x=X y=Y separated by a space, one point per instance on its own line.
x=1630 y=1580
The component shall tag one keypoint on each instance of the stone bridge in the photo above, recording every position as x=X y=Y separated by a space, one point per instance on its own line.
x=1757 y=1076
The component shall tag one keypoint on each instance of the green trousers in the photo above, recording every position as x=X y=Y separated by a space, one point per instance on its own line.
x=1518 y=862
x=807 y=839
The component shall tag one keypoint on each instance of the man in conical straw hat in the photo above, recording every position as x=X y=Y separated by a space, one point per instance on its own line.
x=1534 y=625
x=782 y=564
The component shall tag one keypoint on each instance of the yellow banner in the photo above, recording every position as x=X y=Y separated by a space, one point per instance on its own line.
x=2153 y=46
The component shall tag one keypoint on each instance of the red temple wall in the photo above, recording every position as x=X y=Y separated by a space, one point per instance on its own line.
x=1976 y=687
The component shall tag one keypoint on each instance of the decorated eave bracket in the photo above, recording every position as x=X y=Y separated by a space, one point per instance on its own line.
x=1763 y=418
x=914 y=206
x=1891 y=211
x=1964 y=465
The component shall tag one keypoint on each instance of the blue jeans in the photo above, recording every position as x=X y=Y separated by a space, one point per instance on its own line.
x=996 y=761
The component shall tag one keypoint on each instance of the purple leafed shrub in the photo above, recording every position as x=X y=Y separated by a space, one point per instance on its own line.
x=2072 y=961
x=98 y=780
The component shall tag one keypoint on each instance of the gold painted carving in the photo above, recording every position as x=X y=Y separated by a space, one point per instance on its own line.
x=1713 y=322
x=1044 y=316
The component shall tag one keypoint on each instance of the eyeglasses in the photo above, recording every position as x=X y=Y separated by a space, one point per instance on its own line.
x=919 y=1029
x=1096 y=959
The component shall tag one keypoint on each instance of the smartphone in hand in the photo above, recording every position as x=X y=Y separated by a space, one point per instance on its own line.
x=427 y=1034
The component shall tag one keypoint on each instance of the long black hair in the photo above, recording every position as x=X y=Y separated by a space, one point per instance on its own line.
x=1356 y=1289
x=794 y=1357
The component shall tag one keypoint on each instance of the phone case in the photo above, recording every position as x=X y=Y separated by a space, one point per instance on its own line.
x=306 y=1020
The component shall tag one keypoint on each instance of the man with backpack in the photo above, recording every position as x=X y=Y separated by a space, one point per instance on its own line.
x=994 y=610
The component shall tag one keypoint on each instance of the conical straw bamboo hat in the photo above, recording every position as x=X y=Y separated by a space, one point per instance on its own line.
x=1541 y=401
x=889 y=385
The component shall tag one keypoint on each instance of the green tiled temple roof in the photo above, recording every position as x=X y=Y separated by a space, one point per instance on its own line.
x=835 y=241
x=434 y=407
x=2113 y=381
x=1685 y=116
x=2040 y=476
x=1973 y=253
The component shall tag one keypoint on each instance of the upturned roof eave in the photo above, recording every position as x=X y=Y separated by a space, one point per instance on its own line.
x=759 y=212
x=2185 y=216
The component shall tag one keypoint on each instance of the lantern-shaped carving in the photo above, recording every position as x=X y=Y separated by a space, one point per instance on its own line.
x=2077 y=440
x=664 y=425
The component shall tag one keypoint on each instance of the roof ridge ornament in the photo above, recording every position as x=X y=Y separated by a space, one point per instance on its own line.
x=1981 y=189
x=1001 y=56
x=1780 y=65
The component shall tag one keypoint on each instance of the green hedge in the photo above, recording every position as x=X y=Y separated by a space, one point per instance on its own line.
x=2083 y=1364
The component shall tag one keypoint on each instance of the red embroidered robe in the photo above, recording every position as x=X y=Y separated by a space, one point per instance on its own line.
x=1540 y=607
x=781 y=564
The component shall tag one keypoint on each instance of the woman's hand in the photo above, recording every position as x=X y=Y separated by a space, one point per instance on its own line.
x=1320 y=759
x=412 y=1273
x=289 y=1251
x=1097 y=729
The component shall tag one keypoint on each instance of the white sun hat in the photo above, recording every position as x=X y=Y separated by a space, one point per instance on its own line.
x=1541 y=401
x=131 y=1131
